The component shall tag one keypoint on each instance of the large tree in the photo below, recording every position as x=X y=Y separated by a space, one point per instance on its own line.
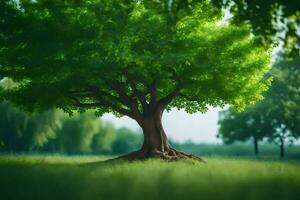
x=130 y=58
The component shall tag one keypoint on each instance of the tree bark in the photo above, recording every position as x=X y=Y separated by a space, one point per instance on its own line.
x=155 y=138
x=255 y=141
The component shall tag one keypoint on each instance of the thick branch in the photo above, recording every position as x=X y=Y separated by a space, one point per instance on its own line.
x=140 y=96
x=122 y=99
x=153 y=94
x=94 y=92
x=162 y=103
x=101 y=101
x=131 y=81
x=120 y=89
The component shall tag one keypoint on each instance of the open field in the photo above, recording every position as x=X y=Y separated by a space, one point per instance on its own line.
x=59 y=177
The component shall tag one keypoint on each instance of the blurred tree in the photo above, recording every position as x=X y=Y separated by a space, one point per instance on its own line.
x=283 y=102
x=276 y=117
x=128 y=57
x=103 y=140
x=76 y=134
x=241 y=126
x=126 y=141
x=20 y=131
x=271 y=20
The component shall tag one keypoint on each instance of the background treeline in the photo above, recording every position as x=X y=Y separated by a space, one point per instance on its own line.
x=56 y=132
x=240 y=149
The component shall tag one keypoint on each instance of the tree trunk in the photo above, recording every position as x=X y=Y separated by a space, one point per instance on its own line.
x=156 y=142
x=281 y=148
x=155 y=139
x=255 y=141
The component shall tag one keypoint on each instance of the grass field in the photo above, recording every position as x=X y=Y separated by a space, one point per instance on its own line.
x=72 y=178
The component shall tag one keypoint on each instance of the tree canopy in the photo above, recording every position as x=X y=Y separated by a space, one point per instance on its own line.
x=131 y=58
x=111 y=55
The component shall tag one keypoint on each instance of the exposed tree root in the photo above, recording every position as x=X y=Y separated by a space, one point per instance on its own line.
x=170 y=155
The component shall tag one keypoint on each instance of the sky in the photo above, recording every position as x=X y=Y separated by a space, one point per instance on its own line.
x=180 y=126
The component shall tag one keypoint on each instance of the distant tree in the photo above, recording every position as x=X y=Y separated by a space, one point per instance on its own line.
x=76 y=134
x=283 y=102
x=131 y=58
x=281 y=136
x=276 y=117
x=271 y=20
x=126 y=141
x=20 y=131
x=103 y=140
x=242 y=126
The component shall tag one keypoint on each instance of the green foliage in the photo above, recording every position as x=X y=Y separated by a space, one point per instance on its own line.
x=108 y=55
x=272 y=21
x=51 y=178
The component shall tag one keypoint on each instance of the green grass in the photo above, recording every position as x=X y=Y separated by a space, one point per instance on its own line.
x=59 y=177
